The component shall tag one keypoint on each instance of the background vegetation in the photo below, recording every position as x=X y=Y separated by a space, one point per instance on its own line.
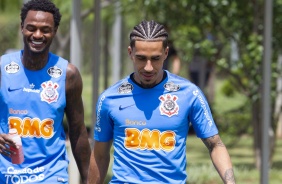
x=237 y=101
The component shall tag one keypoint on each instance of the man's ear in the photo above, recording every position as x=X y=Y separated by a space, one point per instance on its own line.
x=166 y=51
x=129 y=50
x=22 y=26
x=55 y=29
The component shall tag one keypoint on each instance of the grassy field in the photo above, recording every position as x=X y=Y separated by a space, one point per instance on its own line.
x=201 y=170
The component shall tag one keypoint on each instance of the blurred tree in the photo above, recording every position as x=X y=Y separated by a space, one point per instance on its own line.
x=277 y=42
x=9 y=25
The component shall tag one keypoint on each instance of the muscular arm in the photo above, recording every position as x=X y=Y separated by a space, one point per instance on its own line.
x=220 y=158
x=99 y=162
x=75 y=116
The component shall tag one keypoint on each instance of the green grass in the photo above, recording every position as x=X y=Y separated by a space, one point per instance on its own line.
x=222 y=103
x=201 y=170
x=87 y=99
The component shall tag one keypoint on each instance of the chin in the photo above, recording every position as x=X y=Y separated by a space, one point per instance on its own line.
x=147 y=85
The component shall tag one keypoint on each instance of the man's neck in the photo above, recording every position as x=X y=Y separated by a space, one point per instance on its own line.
x=33 y=61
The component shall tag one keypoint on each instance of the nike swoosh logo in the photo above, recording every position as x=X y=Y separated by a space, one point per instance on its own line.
x=11 y=89
x=124 y=107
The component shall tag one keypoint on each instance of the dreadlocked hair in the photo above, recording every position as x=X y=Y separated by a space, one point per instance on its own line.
x=149 y=31
x=41 y=5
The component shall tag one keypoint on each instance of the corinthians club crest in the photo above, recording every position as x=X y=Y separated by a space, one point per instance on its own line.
x=168 y=106
x=49 y=93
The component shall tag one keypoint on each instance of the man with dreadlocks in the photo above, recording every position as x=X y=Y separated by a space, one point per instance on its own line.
x=36 y=89
x=146 y=116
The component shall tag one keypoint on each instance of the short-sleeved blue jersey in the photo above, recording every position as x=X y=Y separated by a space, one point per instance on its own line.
x=149 y=128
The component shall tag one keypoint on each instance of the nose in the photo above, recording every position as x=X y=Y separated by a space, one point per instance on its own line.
x=37 y=34
x=148 y=67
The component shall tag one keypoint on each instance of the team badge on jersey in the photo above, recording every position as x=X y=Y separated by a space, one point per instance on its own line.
x=125 y=88
x=13 y=67
x=168 y=106
x=49 y=93
x=170 y=86
x=55 y=72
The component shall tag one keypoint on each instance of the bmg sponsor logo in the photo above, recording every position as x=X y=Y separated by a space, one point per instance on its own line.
x=149 y=139
x=33 y=127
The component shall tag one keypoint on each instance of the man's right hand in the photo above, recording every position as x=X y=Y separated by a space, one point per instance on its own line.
x=5 y=143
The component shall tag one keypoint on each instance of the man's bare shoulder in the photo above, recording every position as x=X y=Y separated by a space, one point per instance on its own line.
x=73 y=79
x=72 y=72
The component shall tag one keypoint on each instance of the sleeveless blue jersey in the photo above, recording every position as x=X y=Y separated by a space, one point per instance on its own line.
x=33 y=102
x=149 y=128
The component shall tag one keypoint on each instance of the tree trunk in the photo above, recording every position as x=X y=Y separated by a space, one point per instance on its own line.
x=62 y=43
x=257 y=132
x=106 y=55
x=211 y=85
x=257 y=125
x=278 y=100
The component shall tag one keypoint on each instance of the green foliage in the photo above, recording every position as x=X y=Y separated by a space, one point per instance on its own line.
x=9 y=25
x=231 y=111
x=228 y=89
x=234 y=124
x=8 y=6
x=10 y=38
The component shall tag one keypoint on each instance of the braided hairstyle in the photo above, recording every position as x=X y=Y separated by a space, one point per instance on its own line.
x=148 y=31
x=41 y=5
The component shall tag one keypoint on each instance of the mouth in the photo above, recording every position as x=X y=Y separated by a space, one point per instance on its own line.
x=38 y=45
x=148 y=76
x=37 y=42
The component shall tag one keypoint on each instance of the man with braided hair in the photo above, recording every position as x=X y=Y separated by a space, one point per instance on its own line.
x=36 y=89
x=146 y=117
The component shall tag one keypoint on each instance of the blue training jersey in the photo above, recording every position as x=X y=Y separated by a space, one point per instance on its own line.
x=33 y=102
x=149 y=128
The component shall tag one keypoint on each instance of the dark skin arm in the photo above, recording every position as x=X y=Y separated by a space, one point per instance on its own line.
x=5 y=140
x=220 y=158
x=75 y=115
x=99 y=162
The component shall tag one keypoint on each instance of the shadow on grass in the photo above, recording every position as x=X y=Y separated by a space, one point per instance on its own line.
x=277 y=165
x=242 y=155
x=247 y=166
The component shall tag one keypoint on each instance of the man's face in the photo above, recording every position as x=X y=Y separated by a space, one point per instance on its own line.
x=38 y=31
x=148 y=58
